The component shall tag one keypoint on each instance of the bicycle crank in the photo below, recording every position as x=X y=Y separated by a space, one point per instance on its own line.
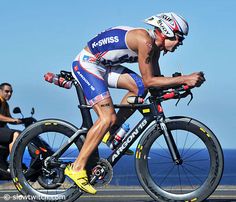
x=102 y=172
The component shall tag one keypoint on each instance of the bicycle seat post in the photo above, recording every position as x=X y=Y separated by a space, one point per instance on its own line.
x=85 y=112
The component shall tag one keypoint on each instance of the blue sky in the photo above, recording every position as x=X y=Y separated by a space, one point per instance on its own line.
x=45 y=36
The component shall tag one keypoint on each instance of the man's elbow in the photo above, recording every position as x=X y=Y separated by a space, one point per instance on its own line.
x=147 y=83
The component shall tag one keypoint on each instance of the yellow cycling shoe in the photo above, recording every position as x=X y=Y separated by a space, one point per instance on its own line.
x=81 y=179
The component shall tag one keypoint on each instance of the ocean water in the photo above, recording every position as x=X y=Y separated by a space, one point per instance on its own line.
x=124 y=173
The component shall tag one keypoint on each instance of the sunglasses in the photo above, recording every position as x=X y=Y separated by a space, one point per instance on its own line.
x=8 y=91
x=180 y=37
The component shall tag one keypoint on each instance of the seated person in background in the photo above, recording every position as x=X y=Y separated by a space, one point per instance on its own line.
x=7 y=135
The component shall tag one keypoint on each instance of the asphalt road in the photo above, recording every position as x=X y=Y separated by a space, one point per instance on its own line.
x=126 y=194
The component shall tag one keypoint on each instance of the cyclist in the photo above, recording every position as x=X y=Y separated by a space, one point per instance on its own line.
x=98 y=66
x=7 y=135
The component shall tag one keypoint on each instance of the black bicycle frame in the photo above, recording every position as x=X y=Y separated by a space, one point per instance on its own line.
x=130 y=139
x=150 y=113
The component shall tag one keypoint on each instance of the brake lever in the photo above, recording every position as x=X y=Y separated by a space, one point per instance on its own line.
x=187 y=93
x=191 y=97
x=178 y=101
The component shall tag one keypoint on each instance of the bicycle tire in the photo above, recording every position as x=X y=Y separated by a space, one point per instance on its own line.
x=21 y=183
x=156 y=185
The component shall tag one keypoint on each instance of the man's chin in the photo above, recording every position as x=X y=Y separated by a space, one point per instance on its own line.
x=173 y=49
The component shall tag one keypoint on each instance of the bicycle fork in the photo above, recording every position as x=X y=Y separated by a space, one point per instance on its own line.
x=171 y=143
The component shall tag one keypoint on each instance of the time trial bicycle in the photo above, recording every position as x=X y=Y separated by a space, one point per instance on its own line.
x=177 y=158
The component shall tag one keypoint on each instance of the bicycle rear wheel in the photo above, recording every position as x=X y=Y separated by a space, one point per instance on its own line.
x=34 y=179
x=195 y=178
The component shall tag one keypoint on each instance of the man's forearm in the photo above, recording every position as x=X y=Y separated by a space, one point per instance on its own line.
x=7 y=119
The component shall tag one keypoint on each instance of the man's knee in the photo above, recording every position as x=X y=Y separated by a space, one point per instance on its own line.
x=138 y=86
x=134 y=89
x=108 y=120
x=137 y=91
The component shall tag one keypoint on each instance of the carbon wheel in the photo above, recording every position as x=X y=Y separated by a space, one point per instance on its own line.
x=192 y=180
x=47 y=183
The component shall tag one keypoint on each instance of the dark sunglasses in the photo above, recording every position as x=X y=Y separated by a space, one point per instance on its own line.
x=180 y=37
x=8 y=91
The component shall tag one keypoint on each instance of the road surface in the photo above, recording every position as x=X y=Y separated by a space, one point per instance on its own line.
x=126 y=194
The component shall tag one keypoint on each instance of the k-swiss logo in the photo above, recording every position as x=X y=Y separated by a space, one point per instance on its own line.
x=105 y=41
x=168 y=19
x=162 y=27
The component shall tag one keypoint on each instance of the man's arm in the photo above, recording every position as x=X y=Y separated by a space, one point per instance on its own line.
x=9 y=119
x=149 y=60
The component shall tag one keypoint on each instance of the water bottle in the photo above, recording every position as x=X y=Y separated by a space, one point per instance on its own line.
x=49 y=77
x=119 y=135
x=57 y=80
x=135 y=100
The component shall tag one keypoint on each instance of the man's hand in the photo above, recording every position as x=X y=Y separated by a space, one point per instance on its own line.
x=195 y=79
x=17 y=121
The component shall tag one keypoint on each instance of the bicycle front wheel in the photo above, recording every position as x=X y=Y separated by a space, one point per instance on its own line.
x=192 y=180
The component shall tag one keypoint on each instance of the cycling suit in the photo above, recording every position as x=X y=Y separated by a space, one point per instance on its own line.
x=100 y=69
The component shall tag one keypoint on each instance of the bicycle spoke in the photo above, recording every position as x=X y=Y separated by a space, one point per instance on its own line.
x=53 y=139
x=198 y=178
x=196 y=160
x=191 y=147
x=164 y=149
x=62 y=142
x=70 y=153
x=160 y=163
x=194 y=154
x=156 y=154
x=48 y=138
x=167 y=174
x=185 y=142
x=187 y=176
x=199 y=168
x=180 y=183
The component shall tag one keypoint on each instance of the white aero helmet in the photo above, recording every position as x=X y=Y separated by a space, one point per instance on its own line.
x=169 y=24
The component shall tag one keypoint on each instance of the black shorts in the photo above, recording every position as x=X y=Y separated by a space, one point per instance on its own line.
x=6 y=135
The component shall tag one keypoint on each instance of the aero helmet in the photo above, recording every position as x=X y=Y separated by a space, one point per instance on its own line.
x=169 y=24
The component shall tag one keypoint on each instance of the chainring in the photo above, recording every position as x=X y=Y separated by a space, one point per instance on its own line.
x=104 y=173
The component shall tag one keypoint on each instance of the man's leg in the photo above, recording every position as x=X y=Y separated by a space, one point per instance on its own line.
x=126 y=81
x=15 y=135
x=106 y=118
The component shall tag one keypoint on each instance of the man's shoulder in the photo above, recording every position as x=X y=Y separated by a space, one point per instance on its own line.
x=4 y=103
x=141 y=35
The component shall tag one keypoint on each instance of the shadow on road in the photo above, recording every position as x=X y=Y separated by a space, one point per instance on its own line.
x=221 y=200
x=209 y=200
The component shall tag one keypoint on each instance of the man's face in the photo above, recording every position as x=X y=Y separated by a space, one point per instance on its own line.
x=172 y=44
x=6 y=92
